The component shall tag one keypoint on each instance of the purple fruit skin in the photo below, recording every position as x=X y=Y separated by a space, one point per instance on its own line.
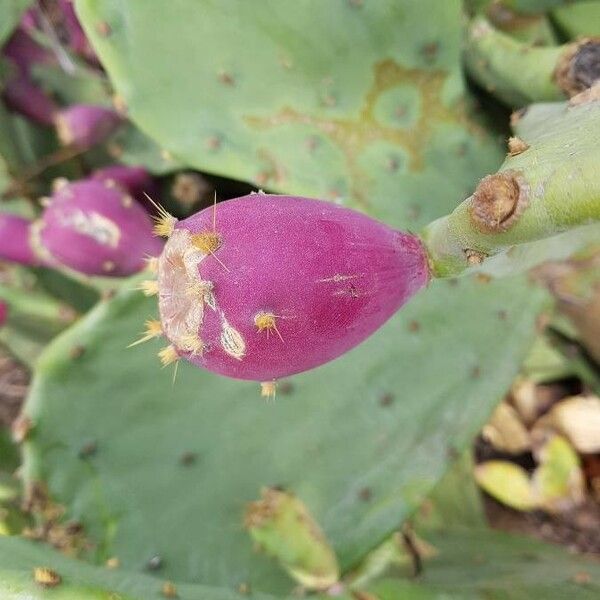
x=15 y=243
x=135 y=180
x=85 y=125
x=3 y=313
x=96 y=230
x=25 y=52
x=77 y=39
x=332 y=276
x=20 y=93
x=26 y=98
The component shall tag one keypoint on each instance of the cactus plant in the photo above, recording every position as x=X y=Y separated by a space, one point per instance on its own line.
x=392 y=120
x=578 y=19
x=519 y=73
x=525 y=200
x=435 y=348
x=363 y=104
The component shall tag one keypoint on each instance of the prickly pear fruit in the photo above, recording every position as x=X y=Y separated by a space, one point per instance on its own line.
x=26 y=98
x=282 y=526
x=15 y=243
x=85 y=125
x=25 y=52
x=74 y=33
x=94 y=228
x=134 y=180
x=3 y=313
x=20 y=93
x=265 y=286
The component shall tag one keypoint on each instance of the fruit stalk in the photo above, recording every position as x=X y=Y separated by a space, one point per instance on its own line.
x=548 y=183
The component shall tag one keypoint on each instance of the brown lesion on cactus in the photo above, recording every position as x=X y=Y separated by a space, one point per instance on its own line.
x=516 y=146
x=273 y=172
x=578 y=68
x=49 y=525
x=46 y=577
x=498 y=202
x=474 y=257
x=354 y=133
x=590 y=95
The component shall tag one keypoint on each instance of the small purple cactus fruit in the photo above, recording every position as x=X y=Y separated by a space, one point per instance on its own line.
x=3 y=313
x=76 y=38
x=94 y=228
x=20 y=93
x=15 y=240
x=265 y=286
x=23 y=96
x=25 y=52
x=85 y=125
x=134 y=180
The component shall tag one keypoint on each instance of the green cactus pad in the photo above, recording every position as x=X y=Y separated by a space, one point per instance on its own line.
x=359 y=102
x=469 y=565
x=79 y=581
x=360 y=441
x=10 y=14
x=580 y=19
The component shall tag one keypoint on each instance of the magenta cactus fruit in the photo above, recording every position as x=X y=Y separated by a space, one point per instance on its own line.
x=135 y=180
x=25 y=52
x=75 y=35
x=85 y=125
x=20 y=93
x=15 y=243
x=26 y=98
x=265 y=286
x=96 y=229
x=3 y=313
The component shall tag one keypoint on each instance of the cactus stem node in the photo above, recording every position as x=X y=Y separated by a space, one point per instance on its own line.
x=498 y=202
